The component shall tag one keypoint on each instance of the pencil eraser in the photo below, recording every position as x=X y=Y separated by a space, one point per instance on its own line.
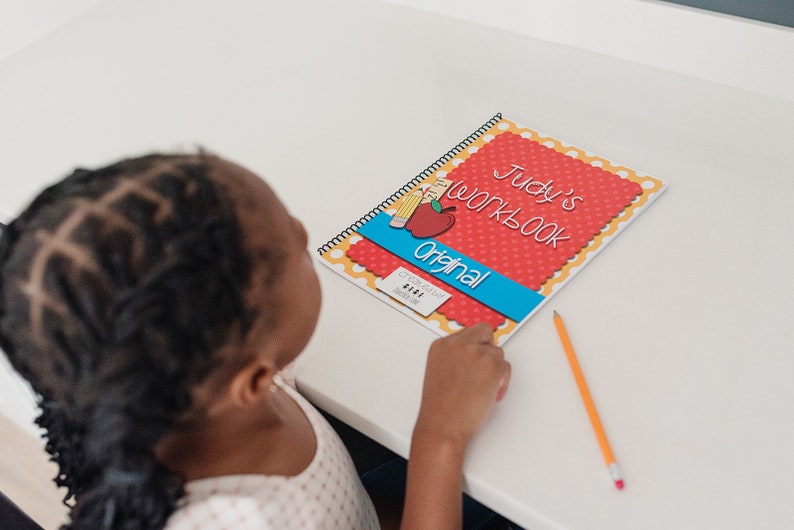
x=619 y=484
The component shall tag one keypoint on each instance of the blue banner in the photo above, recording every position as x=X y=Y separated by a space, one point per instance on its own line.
x=498 y=292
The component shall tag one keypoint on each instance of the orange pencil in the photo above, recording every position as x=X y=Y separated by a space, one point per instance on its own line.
x=606 y=450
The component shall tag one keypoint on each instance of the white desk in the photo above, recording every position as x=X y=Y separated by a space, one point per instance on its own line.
x=683 y=325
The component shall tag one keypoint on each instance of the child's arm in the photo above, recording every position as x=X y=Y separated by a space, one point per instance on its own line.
x=466 y=374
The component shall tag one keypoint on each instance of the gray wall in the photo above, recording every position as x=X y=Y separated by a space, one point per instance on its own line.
x=775 y=11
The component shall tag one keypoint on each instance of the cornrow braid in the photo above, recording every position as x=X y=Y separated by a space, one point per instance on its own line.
x=117 y=287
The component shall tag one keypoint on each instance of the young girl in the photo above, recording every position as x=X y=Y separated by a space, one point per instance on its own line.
x=152 y=304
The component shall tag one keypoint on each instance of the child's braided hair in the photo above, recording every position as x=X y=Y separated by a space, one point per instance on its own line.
x=117 y=287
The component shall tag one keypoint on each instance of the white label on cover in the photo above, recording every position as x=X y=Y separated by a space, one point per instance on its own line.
x=413 y=291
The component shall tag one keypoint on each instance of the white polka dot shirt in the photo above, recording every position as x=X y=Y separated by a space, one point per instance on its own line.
x=327 y=495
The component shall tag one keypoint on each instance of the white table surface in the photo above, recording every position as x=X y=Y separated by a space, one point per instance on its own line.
x=683 y=325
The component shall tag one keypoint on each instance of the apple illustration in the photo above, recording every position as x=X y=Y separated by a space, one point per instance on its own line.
x=430 y=220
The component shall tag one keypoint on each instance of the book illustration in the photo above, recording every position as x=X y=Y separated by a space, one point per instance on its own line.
x=407 y=209
x=430 y=219
x=498 y=224
x=421 y=212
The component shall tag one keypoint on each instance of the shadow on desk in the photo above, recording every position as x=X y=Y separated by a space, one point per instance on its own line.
x=383 y=474
x=12 y=516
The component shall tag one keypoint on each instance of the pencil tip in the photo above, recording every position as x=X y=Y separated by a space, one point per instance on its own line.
x=556 y=314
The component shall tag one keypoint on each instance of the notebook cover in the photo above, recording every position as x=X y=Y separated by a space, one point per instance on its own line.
x=491 y=230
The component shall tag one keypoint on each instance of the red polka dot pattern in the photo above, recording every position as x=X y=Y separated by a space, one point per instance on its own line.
x=553 y=233
x=602 y=196
x=460 y=307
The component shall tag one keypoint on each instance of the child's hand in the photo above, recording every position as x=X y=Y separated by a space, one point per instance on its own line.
x=466 y=373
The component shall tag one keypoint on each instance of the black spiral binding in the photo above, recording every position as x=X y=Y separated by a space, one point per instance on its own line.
x=408 y=186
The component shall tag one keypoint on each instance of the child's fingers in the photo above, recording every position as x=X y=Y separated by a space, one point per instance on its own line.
x=504 y=384
x=465 y=374
x=481 y=333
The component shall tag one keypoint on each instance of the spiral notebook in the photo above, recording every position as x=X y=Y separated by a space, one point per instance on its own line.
x=491 y=230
